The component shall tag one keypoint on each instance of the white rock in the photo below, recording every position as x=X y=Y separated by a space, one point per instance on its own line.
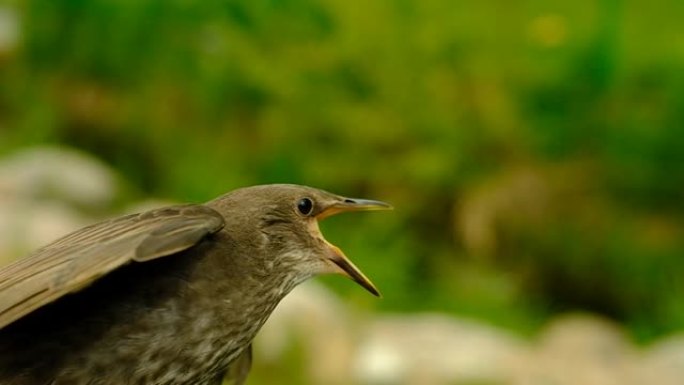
x=56 y=173
x=26 y=226
x=580 y=349
x=433 y=349
x=663 y=362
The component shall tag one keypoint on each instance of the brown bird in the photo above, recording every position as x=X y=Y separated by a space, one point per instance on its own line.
x=168 y=296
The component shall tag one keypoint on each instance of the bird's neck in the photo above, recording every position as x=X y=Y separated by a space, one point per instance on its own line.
x=233 y=294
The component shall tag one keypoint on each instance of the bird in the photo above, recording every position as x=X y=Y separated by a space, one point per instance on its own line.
x=170 y=296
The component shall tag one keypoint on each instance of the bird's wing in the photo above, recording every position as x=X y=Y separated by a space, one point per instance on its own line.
x=239 y=368
x=78 y=259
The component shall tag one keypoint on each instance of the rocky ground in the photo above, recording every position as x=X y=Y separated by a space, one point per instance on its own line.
x=47 y=192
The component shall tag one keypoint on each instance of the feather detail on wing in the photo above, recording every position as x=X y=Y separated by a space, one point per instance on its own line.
x=76 y=260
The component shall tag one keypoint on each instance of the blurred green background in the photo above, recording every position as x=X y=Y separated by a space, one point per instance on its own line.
x=534 y=150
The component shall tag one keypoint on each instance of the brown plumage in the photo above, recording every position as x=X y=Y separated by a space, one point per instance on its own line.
x=169 y=296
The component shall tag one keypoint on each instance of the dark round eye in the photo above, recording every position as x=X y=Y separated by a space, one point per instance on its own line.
x=305 y=206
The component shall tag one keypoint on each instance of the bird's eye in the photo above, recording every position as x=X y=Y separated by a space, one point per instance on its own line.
x=305 y=206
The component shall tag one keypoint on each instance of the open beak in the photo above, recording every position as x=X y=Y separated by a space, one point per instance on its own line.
x=340 y=263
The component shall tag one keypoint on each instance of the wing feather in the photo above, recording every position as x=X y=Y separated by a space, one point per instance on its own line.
x=77 y=259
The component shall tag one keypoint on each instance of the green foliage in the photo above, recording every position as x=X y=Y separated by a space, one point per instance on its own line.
x=534 y=151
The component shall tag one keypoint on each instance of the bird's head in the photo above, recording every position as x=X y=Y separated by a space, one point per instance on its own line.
x=286 y=219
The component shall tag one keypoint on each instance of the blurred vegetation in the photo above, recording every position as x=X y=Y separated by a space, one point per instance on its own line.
x=534 y=150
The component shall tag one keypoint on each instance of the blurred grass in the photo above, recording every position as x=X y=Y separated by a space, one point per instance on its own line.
x=534 y=150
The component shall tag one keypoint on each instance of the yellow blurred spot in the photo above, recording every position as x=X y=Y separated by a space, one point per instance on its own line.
x=548 y=30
